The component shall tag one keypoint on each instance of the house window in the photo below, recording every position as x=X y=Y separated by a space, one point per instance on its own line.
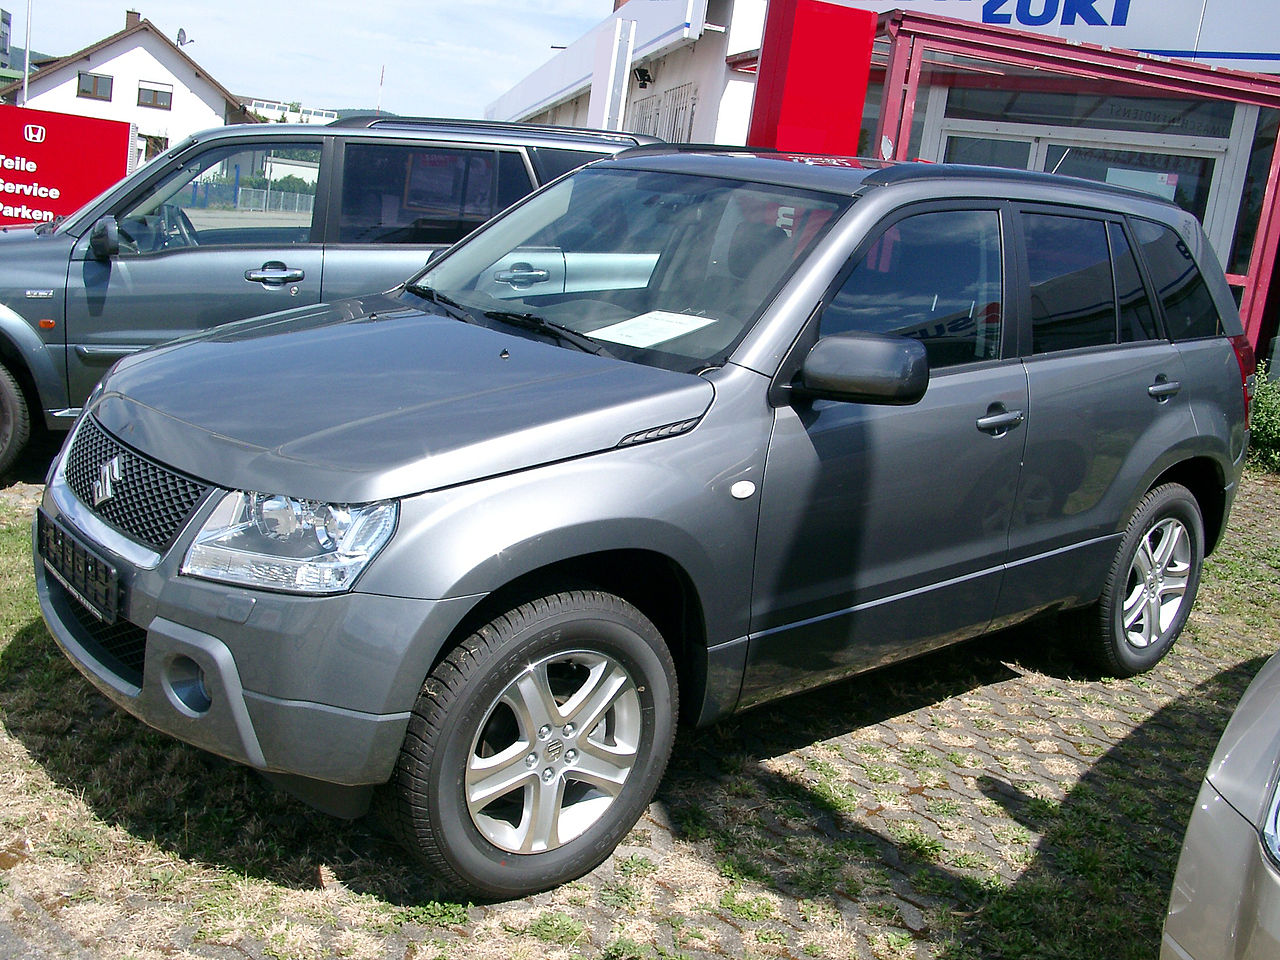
x=158 y=95
x=95 y=86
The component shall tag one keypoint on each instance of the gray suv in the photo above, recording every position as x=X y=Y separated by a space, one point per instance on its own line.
x=679 y=434
x=245 y=220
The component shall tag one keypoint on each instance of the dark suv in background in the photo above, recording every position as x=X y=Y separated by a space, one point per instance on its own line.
x=245 y=220
x=678 y=434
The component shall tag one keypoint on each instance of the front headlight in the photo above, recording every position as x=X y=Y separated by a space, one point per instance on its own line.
x=282 y=543
x=1271 y=826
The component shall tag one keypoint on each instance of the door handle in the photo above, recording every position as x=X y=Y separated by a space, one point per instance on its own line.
x=522 y=274
x=1000 y=421
x=1163 y=389
x=274 y=273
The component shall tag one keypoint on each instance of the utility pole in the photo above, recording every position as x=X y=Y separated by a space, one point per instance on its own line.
x=26 y=71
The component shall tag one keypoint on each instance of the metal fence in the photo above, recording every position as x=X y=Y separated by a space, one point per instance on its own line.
x=668 y=115
x=227 y=196
x=252 y=199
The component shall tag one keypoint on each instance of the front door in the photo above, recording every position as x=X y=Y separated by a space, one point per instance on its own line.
x=883 y=530
x=226 y=236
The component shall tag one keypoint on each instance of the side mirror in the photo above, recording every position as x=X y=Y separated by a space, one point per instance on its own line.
x=104 y=239
x=861 y=367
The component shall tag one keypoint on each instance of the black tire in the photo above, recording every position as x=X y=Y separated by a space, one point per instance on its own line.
x=15 y=421
x=475 y=718
x=1151 y=585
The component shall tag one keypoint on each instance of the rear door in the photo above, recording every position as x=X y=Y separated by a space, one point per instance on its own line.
x=399 y=201
x=1107 y=403
x=883 y=530
x=231 y=233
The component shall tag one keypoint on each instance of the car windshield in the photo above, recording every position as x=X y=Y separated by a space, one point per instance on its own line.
x=665 y=269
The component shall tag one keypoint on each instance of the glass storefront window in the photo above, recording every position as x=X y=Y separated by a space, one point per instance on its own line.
x=1015 y=154
x=1095 y=110
x=1255 y=185
x=1184 y=180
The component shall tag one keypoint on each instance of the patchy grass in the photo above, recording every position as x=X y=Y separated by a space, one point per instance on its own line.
x=994 y=799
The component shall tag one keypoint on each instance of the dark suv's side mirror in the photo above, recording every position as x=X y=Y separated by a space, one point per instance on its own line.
x=862 y=367
x=104 y=239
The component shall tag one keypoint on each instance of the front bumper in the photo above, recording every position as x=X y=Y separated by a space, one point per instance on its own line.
x=1226 y=892
x=310 y=689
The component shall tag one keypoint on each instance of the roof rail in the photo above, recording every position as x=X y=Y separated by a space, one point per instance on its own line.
x=660 y=148
x=366 y=120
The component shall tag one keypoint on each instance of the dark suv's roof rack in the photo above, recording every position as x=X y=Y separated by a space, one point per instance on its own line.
x=367 y=120
x=659 y=148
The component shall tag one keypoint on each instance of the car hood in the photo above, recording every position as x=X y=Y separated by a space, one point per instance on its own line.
x=1243 y=767
x=368 y=399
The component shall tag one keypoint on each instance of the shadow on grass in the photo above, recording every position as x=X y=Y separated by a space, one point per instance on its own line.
x=203 y=808
x=1096 y=885
x=189 y=802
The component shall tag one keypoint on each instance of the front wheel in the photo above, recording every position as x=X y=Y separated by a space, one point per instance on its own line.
x=1151 y=585
x=535 y=745
x=15 y=420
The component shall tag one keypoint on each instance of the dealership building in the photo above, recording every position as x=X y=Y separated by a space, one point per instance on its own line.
x=1180 y=98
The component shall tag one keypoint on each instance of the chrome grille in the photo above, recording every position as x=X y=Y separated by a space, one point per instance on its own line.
x=149 y=503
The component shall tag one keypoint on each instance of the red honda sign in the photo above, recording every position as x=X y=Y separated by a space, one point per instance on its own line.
x=52 y=163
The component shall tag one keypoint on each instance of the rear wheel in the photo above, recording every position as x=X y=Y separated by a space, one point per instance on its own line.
x=536 y=745
x=1152 y=583
x=15 y=421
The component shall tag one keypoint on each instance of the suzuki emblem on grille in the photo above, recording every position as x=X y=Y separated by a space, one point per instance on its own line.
x=108 y=474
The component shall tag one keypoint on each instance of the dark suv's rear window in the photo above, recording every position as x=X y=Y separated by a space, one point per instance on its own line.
x=1188 y=306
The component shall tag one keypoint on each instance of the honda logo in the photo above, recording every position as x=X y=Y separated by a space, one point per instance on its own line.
x=108 y=475
x=34 y=133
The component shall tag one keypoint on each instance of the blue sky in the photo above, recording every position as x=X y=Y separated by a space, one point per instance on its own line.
x=441 y=58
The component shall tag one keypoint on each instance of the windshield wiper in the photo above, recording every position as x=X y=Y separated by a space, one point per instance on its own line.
x=450 y=306
x=531 y=321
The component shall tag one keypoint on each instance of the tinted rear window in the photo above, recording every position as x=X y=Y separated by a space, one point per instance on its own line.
x=1188 y=306
x=1072 y=290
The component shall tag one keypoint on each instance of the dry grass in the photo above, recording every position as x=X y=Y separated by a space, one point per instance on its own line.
x=988 y=799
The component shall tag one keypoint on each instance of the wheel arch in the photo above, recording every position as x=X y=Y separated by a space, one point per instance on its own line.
x=27 y=358
x=651 y=581
x=1203 y=476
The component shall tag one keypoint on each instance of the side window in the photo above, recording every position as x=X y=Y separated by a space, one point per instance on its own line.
x=513 y=179
x=259 y=195
x=1137 y=320
x=934 y=277
x=551 y=162
x=394 y=193
x=1072 y=290
x=1189 y=312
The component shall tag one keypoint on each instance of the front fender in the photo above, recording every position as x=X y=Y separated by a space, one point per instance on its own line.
x=475 y=539
x=670 y=498
x=37 y=356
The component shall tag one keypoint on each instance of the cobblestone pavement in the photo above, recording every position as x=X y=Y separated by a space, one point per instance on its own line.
x=994 y=799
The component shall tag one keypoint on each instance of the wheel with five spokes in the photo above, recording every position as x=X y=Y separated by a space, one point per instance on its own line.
x=1151 y=585
x=535 y=745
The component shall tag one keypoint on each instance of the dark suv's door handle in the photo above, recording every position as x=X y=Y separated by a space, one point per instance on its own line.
x=1000 y=421
x=274 y=272
x=1163 y=389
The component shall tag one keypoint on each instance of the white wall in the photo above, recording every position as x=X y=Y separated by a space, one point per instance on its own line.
x=197 y=105
x=722 y=110
x=660 y=26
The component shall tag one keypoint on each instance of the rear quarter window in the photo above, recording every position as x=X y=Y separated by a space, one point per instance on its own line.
x=1189 y=311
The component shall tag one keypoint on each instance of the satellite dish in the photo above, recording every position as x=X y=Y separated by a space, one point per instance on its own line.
x=182 y=38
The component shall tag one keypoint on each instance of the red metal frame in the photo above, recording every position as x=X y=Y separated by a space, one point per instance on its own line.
x=912 y=35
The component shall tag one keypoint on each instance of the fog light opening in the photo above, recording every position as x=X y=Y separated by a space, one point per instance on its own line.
x=185 y=680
